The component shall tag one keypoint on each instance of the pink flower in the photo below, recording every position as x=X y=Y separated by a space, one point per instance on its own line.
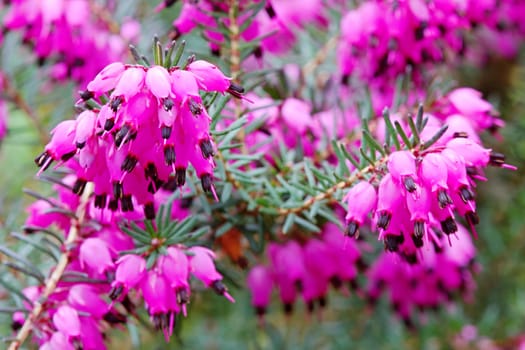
x=361 y=200
x=130 y=271
x=260 y=283
x=66 y=321
x=95 y=255
x=203 y=267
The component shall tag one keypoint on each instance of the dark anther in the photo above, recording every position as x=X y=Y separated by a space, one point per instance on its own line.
x=168 y=104
x=80 y=145
x=170 y=185
x=419 y=229
x=336 y=282
x=216 y=51
x=352 y=228
x=16 y=325
x=100 y=201
x=169 y=3
x=418 y=241
x=460 y=134
x=449 y=225
x=361 y=265
x=207 y=148
x=219 y=287
x=43 y=160
x=116 y=291
x=118 y=189
x=288 y=308
x=150 y=171
x=410 y=185
x=236 y=90
x=310 y=306
x=180 y=176
x=126 y=203
x=182 y=296
x=270 y=11
x=298 y=285
x=195 y=108
x=123 y=135
x=109 y=124
x=41 y=61
x=472 y=218
x=206 y=183
x=345 y=79
x=165 y=132
x=115 y=103
x=466 y=194
x=149 y=211
x=129 y=163
x=384 y=220
x=186 y=202
x=68 y=156
x=260 y=310
x=420 y=31
x=392 y=242
x=410 y=258
x=113 y=204
x=443 y=198
x=79 y=186
x=258 y=52
x=497 y=159
x=169 y=154
x=86 y=95
x=113 y=317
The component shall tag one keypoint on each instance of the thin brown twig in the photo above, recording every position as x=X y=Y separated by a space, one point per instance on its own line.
x=235 y=62
x=14 y=96
x=328 y=193
x=54 y=278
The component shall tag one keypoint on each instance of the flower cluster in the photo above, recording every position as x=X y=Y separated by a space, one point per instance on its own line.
x=295 y=269
x=380 y=39
x=142 y=128
x=70 y=35
x=279 y=18
x=423 y=188
x=99 y=274
x=444 y=271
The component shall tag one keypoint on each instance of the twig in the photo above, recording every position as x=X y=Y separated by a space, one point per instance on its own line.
x=330 y=191
x=55 y=277
x=235 y=62
x=13 y=95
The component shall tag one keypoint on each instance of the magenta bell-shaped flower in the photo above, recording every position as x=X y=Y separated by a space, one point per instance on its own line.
x=160 y=302
x=361 y=200
x=260 y=283
x=402 y=167
x=85 y=298
x=95 y=255
x=66 y=321
x=202 y=267
x=130 y=271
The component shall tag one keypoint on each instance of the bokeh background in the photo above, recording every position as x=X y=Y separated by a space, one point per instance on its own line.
x=494 y=317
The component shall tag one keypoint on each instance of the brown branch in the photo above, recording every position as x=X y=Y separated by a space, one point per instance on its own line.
x=330 y=191
x=54 y=278
x=14 y=96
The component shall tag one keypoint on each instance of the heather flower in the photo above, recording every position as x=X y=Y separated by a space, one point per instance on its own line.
x=160 y=303
x=95 y=255
x=68 y=35
x=66 y=321
x=152 y=127
x=203 y=268
x=361 y=200
x=130 y=271
x=259 y=281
